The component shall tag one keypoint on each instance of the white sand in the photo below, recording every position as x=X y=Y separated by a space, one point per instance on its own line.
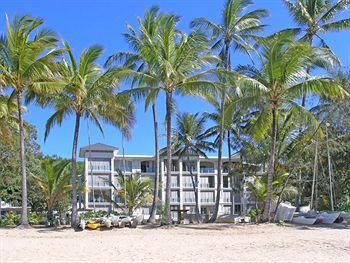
x=205 y=243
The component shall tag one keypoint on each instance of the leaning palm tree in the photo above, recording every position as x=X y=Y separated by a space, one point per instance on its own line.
x=277 y=84
x=87 y=92
x=314 y=18
x=54 y=183
x=26 y=54
x=140 y=61
x=236 y=31
x=190 y=138
x=177 y=63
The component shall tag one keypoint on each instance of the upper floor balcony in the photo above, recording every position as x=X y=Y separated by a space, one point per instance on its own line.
x=123 y=166
x=174 y=166
x=148 y=167
x=206 y=167
x=99 y=165
x=189 y=166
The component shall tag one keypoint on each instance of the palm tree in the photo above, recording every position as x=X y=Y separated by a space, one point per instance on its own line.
x=317 y=17
x=54 y=183
x=236 y=31
x=190 y=138
x=139 y=61
x=87 y=92
x=26 y=54
x=277 y=84
x=177 y=63
x=134 y=191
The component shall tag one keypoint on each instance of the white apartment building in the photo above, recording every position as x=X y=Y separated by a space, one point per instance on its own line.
x=102 y=163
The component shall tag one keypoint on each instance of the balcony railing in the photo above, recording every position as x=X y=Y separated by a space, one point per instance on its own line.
x=96 y=167
x=174 y=199
x=174 y=184
x=189 y=200
x=207 y=185
x=207 y=170
x=148 y=170
x=207 y=200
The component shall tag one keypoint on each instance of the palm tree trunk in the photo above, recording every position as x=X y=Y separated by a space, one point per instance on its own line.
x=168 y=144
x=195 y=189
x=232 y=210
x=156 y=174
x=24 y=216
x=75 y=222
x=218 y=186
x=271 y=168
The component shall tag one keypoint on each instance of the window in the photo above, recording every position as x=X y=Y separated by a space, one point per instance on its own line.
x=226 y=182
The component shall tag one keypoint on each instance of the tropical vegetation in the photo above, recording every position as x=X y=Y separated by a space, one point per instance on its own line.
x=285 y=113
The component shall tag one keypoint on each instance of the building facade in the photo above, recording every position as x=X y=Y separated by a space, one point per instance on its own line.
x=102 y=163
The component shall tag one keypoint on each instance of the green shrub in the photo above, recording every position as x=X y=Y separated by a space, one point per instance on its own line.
x=10 y=219
x=255 y=215
x=34 y=218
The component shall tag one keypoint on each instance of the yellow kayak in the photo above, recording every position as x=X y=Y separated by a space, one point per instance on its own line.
x=93 y=225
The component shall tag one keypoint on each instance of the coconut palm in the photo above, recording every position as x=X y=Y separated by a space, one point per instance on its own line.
x=89 y=92
x=26 y=54
x=54 y=183
x=277 y=84
x=177 y=63
x=190 y=138
x=134 y=191
x=236 y=31
x=314 y=18
x=140 y=61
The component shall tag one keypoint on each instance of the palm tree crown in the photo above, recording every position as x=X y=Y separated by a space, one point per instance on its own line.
x=237 y=28
x=317 y=17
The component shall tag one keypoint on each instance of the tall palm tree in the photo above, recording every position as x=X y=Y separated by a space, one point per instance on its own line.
x=236 y=31
x=277 y=84
x=140 y=61
x=26 y=54
x=314 y=18
x=54 y=182
x=177 y=63
x=190 y=138
x=89 y=92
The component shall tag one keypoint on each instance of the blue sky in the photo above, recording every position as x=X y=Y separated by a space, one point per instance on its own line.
x=83 y=23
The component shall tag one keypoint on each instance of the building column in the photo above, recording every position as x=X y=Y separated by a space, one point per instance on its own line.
x=113 y=182
x=86 y=172
x=180 y=183
x=199 y=184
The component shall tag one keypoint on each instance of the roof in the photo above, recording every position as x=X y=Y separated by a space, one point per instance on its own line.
x=97 y=147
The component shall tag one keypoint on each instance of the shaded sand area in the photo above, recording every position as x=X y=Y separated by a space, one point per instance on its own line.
x=190 y=243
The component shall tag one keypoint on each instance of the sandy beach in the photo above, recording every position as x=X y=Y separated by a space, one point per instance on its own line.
x=191 y=243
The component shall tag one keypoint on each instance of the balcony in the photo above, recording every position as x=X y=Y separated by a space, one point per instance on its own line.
x=189 y=167
x=174 y=200
x=148 y=167
x=174 y=166
x=207 y=170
